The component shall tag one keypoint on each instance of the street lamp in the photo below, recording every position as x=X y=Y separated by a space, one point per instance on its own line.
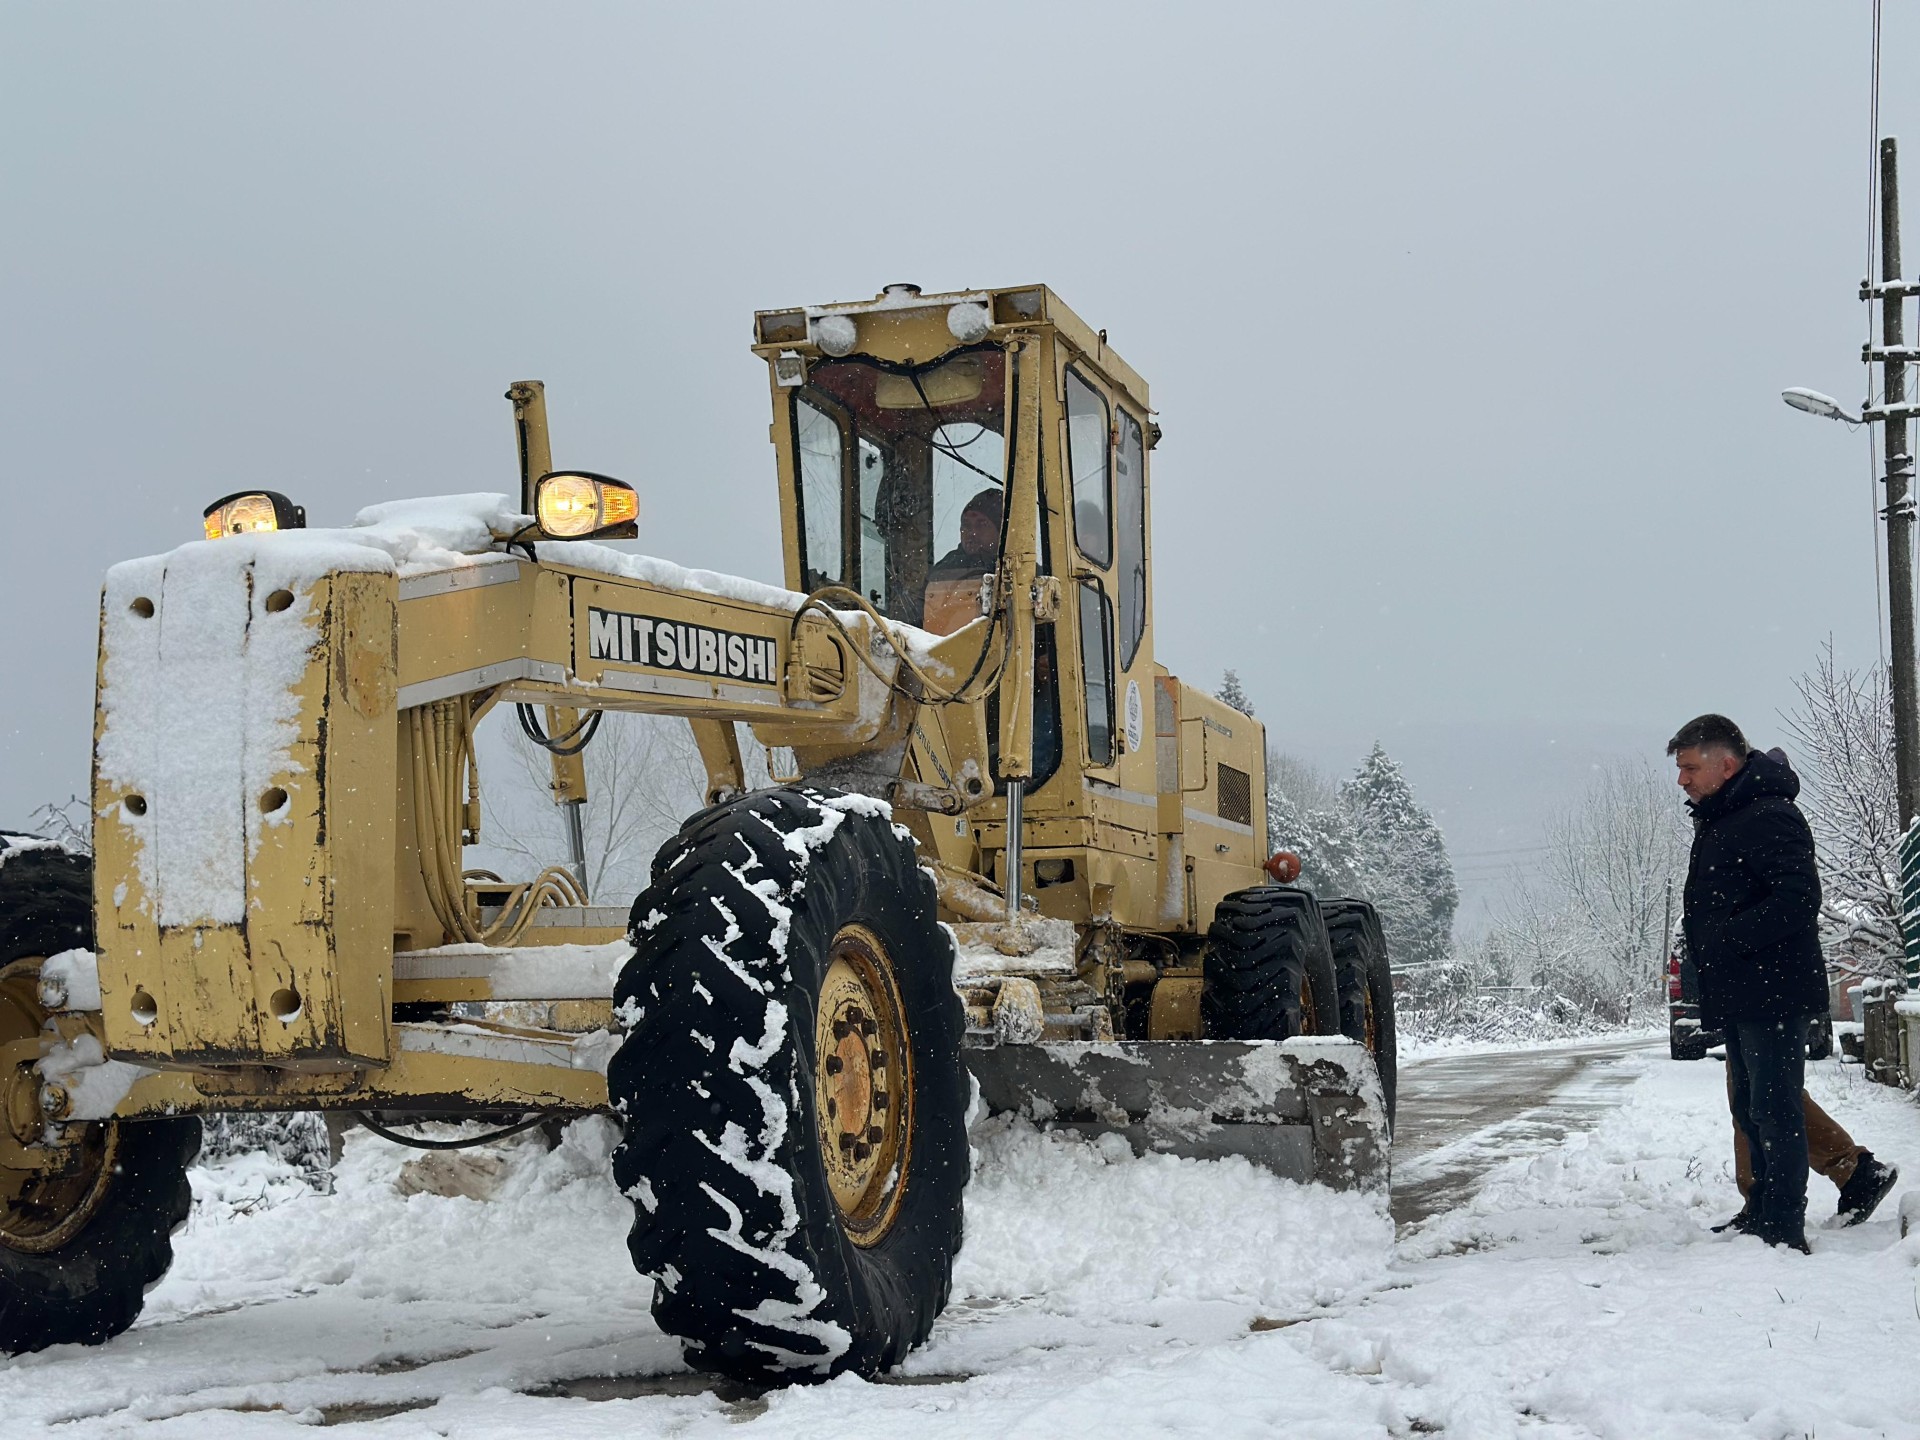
x=1894 y=412
x=1814 y=403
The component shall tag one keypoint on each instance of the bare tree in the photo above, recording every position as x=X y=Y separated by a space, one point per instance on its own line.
x=1843 y=731
x=644 y=778
x=1592 y=927
x=70 y=824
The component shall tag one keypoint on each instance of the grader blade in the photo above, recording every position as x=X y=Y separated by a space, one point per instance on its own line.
x=1307 y=1109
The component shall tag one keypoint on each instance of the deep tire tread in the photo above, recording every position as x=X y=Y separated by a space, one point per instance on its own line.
x=680 y=1099
x=94 y=1287
x=1261 y=944
x=1364 y=970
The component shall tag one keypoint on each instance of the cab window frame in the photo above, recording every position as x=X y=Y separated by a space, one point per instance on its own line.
x=1075 y=376
x=836 y=414
x=1130 y=561
x=1096 y=642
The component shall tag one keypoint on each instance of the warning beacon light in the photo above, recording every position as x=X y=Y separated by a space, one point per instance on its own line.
x=249 y=512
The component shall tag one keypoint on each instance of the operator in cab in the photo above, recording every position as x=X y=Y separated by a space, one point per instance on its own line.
x=953 y=584
x=979 y=547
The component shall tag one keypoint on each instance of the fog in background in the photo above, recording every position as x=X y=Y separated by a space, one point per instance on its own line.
x=1466 y=324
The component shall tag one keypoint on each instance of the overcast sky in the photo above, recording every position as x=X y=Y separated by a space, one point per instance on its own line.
x=1466 y=324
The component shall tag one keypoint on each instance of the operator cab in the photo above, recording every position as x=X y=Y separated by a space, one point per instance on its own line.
x=901 y=424
x=920 y=452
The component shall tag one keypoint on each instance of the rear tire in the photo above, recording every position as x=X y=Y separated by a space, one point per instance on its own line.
x=1820 y=1038
x=793 y=1090
x=1686 y=1044
x=78 y=1252
x=1269 y=967
x=1365 y=976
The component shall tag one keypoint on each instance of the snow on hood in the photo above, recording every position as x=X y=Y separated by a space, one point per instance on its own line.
x=214 y=684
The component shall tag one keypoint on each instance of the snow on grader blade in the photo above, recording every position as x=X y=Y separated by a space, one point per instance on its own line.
x=1008 y=837
x=1308 y=1109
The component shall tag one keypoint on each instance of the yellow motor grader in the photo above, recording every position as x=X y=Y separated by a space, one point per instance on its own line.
x=1013 y=847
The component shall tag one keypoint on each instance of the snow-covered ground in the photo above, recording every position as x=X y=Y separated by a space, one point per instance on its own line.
x=1578 y=1293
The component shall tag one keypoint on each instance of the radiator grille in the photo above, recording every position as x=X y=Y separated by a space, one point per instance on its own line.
x=1236 y=795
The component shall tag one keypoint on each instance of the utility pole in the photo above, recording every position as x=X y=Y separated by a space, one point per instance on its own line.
x=1666 y=943
x=1893 y=355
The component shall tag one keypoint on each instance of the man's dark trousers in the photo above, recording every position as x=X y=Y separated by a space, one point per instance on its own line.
x=1767 y=1068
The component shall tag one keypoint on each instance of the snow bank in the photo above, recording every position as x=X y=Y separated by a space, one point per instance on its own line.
x=1088 y=1226
x=1578 y=1295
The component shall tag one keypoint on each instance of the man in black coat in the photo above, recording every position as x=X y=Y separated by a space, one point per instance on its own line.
x=1752 y=924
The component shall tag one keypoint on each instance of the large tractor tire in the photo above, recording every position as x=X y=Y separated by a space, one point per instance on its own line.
x=1365 y=977
x=78 y=1250
x=1269 y=967
x=793 y=1090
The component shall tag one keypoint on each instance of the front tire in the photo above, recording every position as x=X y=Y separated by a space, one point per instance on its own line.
x=793 y=1090
x=1269 y=967
x=78 y=1250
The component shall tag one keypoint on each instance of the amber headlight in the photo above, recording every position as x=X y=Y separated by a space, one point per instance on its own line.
x=250 y=511
x=574 y=505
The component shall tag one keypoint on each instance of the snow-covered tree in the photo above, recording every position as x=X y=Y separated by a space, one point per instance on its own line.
x=69 y=823
x=1304 y=815
x=1402 y=861
x=1368 y=838
x=1590 y=930
x=1233 y=693
x=1843 y=733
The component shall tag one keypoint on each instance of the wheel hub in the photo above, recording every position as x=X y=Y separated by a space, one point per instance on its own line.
x=863 y=1085
x=43 y=1206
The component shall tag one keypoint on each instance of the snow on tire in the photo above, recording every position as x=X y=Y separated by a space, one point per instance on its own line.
x=792 y=1088
x=79 y=1249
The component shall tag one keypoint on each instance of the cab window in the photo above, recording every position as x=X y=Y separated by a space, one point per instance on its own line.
x=1087 y=443
x=914 y=456
x=821 y=447
x=1130 y=485
x=1096 y=659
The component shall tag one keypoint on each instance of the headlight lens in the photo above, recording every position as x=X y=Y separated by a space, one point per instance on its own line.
x=573 y=504
x=249 y=512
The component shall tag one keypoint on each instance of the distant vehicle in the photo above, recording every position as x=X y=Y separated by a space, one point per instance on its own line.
x=1686 y=1040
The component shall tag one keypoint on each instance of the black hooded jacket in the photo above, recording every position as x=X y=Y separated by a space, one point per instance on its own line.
x=1753 y=900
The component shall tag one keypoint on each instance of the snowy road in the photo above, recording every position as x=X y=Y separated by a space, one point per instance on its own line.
x=1574 y=1292
x=1462 y=1115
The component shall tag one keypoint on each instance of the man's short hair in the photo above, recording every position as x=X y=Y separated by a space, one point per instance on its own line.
x=1709 y=732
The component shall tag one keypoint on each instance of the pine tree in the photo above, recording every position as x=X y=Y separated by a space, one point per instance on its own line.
x=1233 y=693
x=1402 y=861
x=1304 y=815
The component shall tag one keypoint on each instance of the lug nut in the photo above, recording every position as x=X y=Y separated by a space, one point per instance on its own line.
x=834 y=1065
x=55 y=1102
x=53 y=992
x=875 y=1134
